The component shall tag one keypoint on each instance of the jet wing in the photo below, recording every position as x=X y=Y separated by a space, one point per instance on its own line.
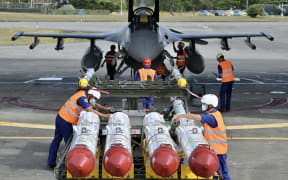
x=198 y=38
x=116 y=37
x=76 y=36
x=221 y=36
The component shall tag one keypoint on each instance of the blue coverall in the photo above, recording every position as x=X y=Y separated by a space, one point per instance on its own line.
x=148 y=101
x=225 y=93
x=63 y=129
x=222 y=167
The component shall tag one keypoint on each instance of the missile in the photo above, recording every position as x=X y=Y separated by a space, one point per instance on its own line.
x=201 y=158
x=117 y=158
x=164 y=159
x=268 y=36
x=89 y=74
x=17 y=35
x=181 y=81
x=80 y=160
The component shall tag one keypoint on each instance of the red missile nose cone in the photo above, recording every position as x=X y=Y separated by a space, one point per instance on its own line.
x=203 y=162
x=80 y=162
x=164 y=162
x=117 y=161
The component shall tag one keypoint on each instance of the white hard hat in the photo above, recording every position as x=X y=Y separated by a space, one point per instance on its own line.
x=95 y=93
x=210 y=99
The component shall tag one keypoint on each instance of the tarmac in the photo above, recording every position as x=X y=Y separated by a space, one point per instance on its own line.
x=257 y=124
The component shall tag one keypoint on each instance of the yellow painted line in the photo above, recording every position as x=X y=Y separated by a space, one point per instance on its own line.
x=258 y=126
x=236 y=127
x=25 y=138
x=259 y=138
x=26 y=125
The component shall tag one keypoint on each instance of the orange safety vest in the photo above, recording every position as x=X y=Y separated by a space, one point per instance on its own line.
x=161 y=70
x=216 y=137
x=181 y=58
x=227 y=71
x=70 y=111
x=144 y=73
x=110 y=56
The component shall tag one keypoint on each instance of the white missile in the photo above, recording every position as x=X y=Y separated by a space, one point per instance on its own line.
x=80 y=160
x=162 y=150
x=201 y=159
x=117 y=159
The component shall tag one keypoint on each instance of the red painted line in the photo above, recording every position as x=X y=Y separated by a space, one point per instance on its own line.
x=16 y=101
x=273 y=103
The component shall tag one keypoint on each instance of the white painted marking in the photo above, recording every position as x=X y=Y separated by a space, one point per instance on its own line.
x=277 y=92
x=50 y=79
x=44 y=79
x=253 y=80
x=27 y=82
x=220 y=79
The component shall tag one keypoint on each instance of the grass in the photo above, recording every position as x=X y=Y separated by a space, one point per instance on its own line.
x=164 y=17
x=33 y=17
x=7 y=33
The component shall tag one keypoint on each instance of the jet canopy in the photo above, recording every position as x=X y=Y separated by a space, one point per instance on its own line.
x=143 y=15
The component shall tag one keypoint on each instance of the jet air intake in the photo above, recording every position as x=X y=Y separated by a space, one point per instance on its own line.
x=92 y=58
x=194 y=60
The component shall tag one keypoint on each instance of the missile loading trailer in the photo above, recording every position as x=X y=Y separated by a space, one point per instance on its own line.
x=128 y=147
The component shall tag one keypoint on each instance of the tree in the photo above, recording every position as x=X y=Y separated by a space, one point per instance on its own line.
x=255 y=10
x=172 y=6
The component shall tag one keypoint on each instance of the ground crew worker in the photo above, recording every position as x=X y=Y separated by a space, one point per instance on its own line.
x=68 y=115
x=161 y=70
x=180 y=59
x=142 y=75
x=214 y=129
x=96 y=95
x=110 y=59
x=226 y=72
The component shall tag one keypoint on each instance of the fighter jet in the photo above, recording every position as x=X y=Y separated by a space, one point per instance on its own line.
x=142 y=38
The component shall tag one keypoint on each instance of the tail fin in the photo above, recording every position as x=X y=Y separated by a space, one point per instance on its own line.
x=156 y=11
x=130 y=11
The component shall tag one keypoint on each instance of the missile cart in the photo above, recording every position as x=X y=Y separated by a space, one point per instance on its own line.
x=135 y=145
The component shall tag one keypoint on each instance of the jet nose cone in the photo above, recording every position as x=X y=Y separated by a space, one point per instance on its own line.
x=80 y=162
x=203 y=162
x=164 y=162
x=143 y=44
x=117 y=161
